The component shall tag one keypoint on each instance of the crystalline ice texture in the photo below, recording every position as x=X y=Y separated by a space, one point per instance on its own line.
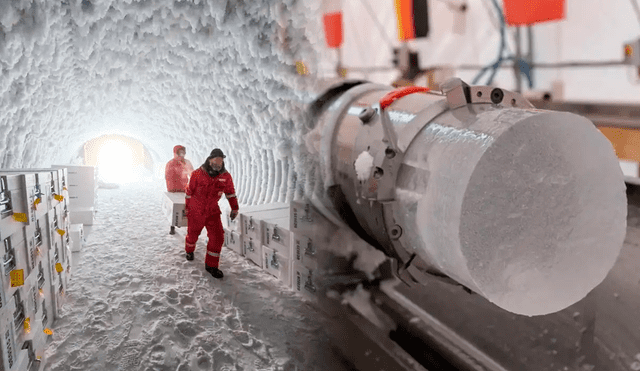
x=527 y=208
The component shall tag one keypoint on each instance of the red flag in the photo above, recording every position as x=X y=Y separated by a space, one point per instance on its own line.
x=332 y=20
x=518 y=12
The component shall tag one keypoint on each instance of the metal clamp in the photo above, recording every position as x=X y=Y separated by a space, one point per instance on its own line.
x=274 y=261
x=9 y=257
x=44 y=314
x=275 y=236
x=307 y=214
x=309 y=249
x=18 y=315
x=249 y=246
x=41 y=280
x=5 y=202
x=308 y=284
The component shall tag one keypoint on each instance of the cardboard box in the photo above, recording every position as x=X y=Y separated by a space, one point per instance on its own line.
x=277 y=265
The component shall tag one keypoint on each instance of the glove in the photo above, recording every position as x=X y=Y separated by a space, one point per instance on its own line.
x=233 y=214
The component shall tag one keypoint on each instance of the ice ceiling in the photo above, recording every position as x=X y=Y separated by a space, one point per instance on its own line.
x=204 y=74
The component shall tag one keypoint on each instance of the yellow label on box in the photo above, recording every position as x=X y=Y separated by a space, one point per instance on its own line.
x=48 y=331
x=20 y=217
x=59 y=268
x=17 y=277
x=61 y=232
x=27 y=324
x=58 y=198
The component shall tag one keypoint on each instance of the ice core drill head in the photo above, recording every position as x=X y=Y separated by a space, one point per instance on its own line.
x=523 y=206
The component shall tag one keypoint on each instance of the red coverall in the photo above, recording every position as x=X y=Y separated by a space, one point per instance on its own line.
x=202 y=207
x=177 y=172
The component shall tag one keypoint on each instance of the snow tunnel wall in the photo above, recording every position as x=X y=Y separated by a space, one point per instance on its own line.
x=204 y=74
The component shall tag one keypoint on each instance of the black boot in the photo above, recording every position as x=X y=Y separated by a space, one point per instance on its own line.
x=189 y=256
x=172 y=230
x=215 y=272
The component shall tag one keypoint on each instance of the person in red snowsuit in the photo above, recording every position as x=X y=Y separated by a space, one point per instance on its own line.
x=178 y=170
x=206 y=186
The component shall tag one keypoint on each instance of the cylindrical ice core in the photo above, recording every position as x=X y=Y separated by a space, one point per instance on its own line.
x=526 y=207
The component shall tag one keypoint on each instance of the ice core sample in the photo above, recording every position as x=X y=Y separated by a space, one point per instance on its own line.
x=525 y=207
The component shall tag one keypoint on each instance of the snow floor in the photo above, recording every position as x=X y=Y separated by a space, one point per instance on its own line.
x=135 y=303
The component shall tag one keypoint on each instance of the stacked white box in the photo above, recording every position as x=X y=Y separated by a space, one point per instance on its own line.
x=309 y=235
x=252 y=250
x=13 y=356
x=233 y=241
x=32 y=245
x=304 y=281
x=252 y=221
x=76 y=233
x=20 y=195
x=277 y=265
x=276 y=234
x=82 y=186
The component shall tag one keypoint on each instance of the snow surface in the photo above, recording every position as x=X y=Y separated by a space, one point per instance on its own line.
x=135 y=303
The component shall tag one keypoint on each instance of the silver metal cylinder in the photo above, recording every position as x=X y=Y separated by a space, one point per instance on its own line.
x=525 y=207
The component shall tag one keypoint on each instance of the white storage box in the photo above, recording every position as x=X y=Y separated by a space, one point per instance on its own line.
x=76 y=233
x=307 y=220
x=173 y=206
x=303 y=281
x=277 y=265
x=84 y=216
x=235 y=225
x=252 y=250
x=305 y=251
x=233 y=241
x=81 y=184
x=276 y=235
x=13 y=356
x=252 y=221
x=17 y=197
x=14 y=258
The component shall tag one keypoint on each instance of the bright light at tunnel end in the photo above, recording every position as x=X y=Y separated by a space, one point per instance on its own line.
x=116 y=163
